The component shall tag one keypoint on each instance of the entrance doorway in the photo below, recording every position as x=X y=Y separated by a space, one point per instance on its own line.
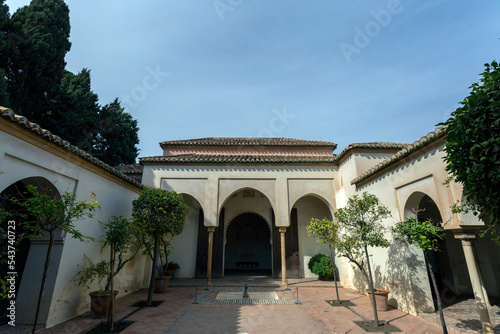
x=248 y=248
x=449 y=275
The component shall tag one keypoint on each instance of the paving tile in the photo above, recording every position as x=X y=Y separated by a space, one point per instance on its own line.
x=178 y=314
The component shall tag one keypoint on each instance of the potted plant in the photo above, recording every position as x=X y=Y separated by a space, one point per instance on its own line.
x=120 y=236
x=159 y=216
x=172 y=268
x=99 y=299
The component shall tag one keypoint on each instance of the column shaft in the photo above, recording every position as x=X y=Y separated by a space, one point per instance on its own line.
x=211 y=230
x=283 y=256
x=477 y=287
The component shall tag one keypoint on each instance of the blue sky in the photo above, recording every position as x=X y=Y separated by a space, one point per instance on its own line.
x=340 y=71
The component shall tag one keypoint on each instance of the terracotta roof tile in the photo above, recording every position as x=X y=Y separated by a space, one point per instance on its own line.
x=240 y=158
x=46 y=134
x=243 y=141
x=130 y=169
x=430 y=138
x=371 y=146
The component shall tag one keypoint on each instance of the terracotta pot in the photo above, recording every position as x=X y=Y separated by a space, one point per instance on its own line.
x=161 y=284
x=171 y=273
x=99 y=304
x=380 y=299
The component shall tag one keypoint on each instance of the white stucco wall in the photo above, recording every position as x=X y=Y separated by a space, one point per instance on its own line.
x=404 y=272
x=20 y=159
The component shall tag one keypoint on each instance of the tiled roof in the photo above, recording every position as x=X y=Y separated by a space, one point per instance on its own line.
x=130 y=169
x=374 y=145
x=430 y=138
x=47 y=135
x=242 y=141
x=239 y=158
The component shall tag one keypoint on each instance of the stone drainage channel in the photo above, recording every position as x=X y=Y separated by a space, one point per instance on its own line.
x=247 y=296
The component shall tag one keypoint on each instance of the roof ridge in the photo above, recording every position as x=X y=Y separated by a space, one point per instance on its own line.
x=23 y=121
x=371 y=145
x=424 y=141
x=247 y=141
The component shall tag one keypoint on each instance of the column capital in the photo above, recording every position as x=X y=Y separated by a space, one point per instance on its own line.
x=282 y=229
x=465 y=235
x=211 y=228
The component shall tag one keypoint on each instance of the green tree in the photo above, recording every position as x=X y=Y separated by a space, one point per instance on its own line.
x=36 y=65
x=360 y=225
x=473 y=146
x=120 y=237
x=158 y=213
x=117 y=135
x=45 y=212
x=76 y=110
x=35 y=84
x=425 y=235
x=327 y=232
x=4 y=49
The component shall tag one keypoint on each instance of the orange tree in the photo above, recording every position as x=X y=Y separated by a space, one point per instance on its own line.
x=158 y=213
x=360 y=228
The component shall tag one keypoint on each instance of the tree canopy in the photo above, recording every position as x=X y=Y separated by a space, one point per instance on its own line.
x=35 y=84
x=473 y=145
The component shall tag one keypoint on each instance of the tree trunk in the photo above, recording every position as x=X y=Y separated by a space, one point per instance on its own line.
x=153 y=272
x=44 y=278
x=370 y=286
x=111 y=320
x=438 y=296
x=334 y=275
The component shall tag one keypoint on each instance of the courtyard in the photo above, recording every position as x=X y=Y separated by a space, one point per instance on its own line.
x=178 y=312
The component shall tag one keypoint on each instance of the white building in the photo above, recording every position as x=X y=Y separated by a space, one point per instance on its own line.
x=250 y=200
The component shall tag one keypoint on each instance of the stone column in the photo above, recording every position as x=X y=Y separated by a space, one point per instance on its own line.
x=283 y=256
x=475 y=278
x=211 y=230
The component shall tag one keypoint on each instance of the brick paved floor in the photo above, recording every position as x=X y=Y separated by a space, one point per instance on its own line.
x=178 y=314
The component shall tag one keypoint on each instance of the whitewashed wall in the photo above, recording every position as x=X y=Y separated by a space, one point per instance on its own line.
x=35 y=157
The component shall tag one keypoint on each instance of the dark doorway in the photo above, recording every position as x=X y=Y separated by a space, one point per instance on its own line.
x=440 y=260
x=21 y=249
x=248 y=246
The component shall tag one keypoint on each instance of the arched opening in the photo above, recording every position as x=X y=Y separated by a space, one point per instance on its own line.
x=248 y=246
x=451 y=273
x=246 y=204
x=300 y=247
x=29 y=257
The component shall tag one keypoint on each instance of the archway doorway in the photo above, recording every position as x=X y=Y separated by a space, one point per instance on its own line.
x=248 y=249
x=30 y=256
x=448 y=272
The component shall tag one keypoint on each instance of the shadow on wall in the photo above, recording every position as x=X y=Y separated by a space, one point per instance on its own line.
x=359 y=281
x=406 y=277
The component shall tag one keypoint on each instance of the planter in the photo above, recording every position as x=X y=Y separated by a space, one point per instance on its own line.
x=171 y=273
x=161 y=284
x=99 y=304
x=380 y=299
